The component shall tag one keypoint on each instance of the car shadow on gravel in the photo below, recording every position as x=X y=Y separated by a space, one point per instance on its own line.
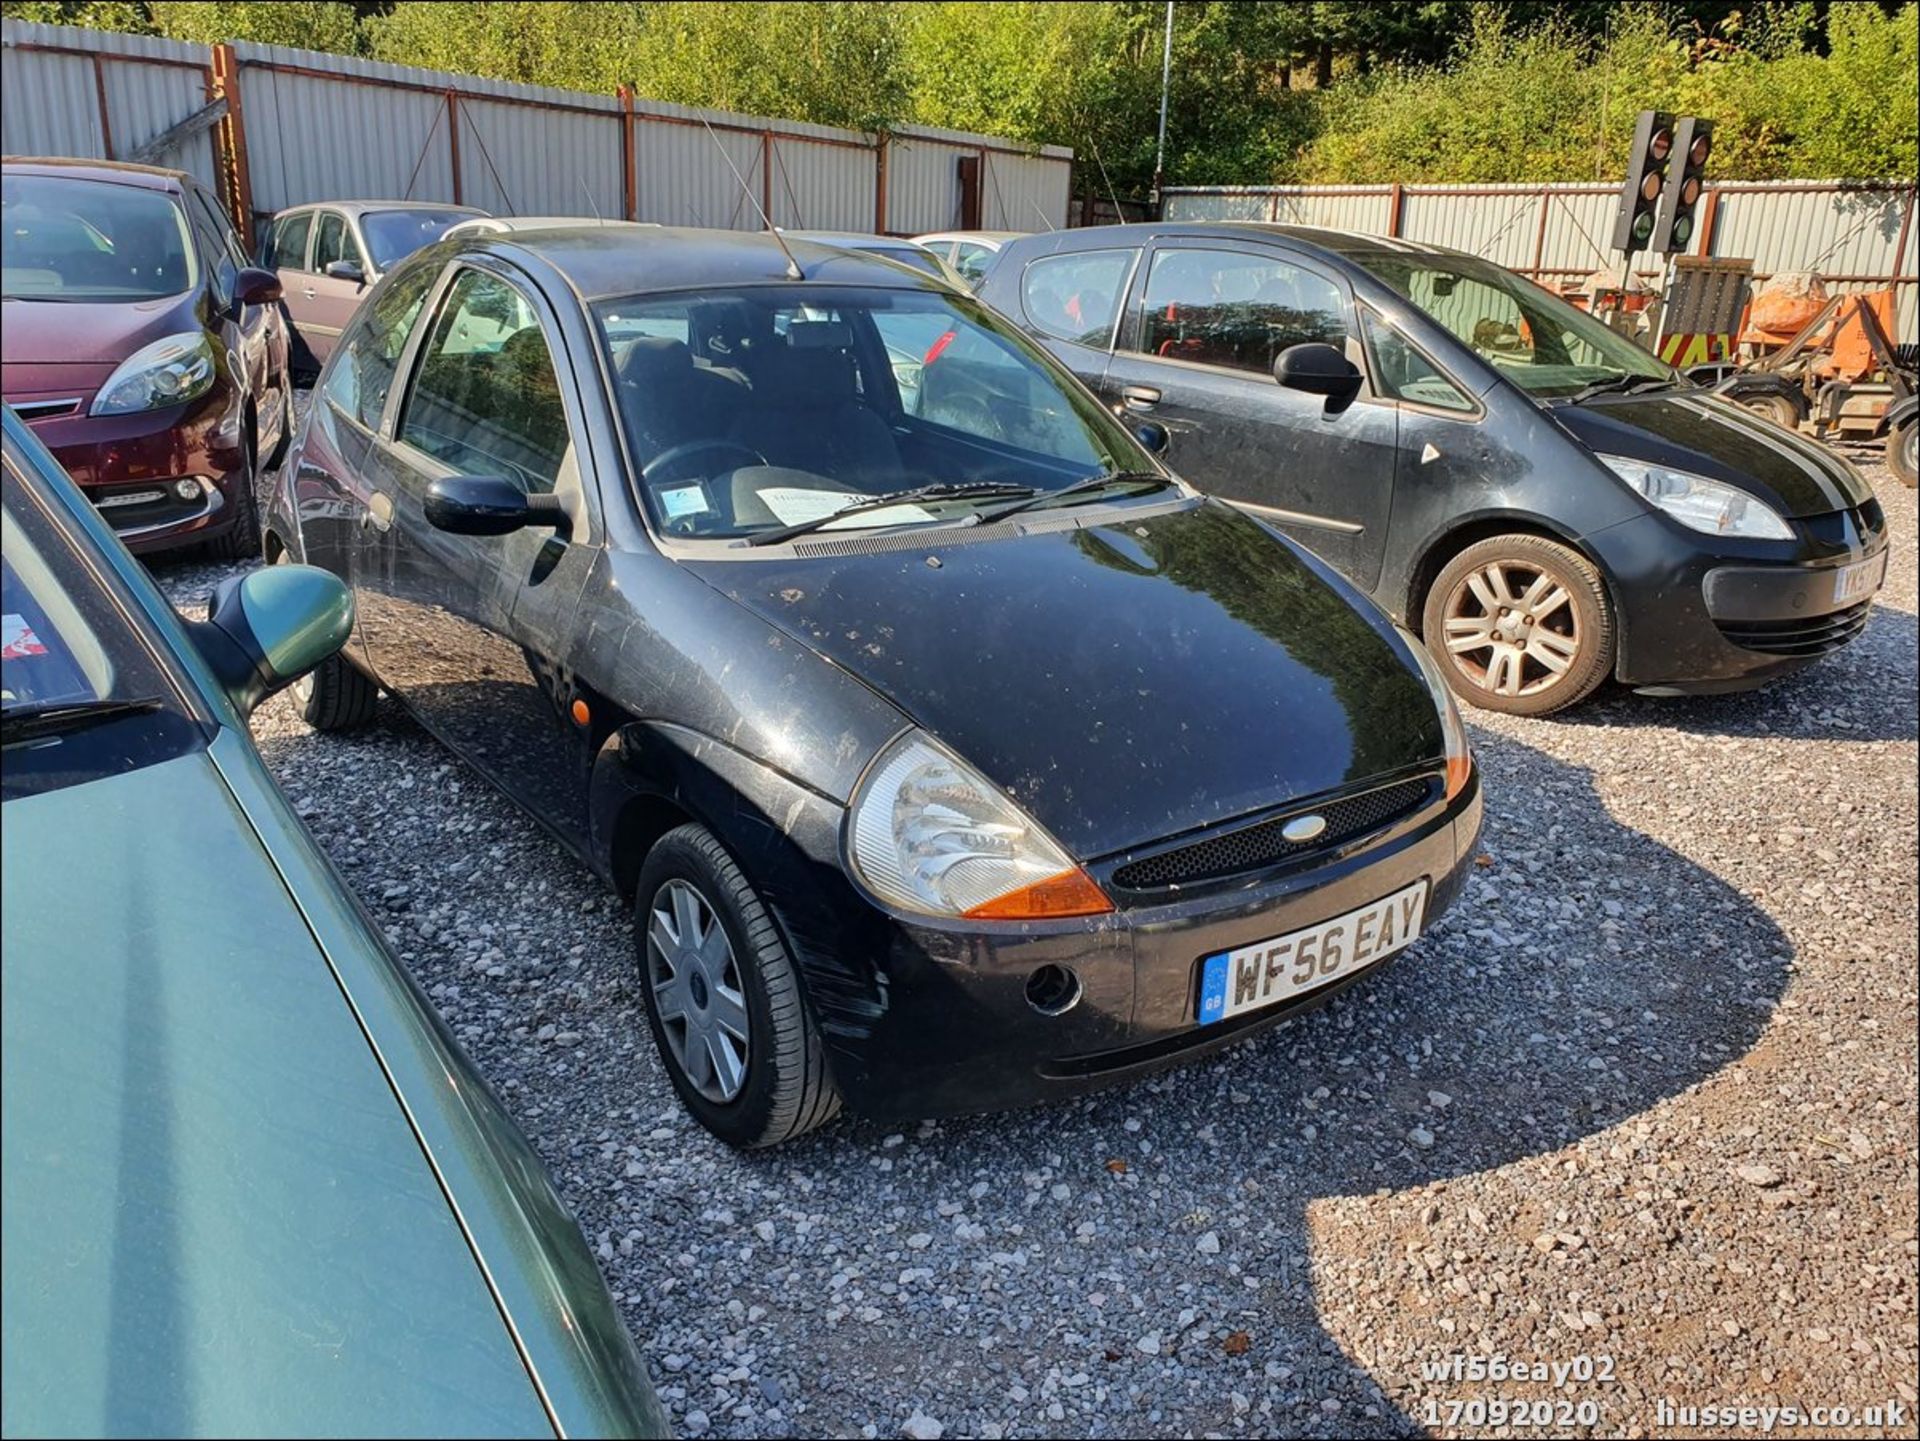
x=1587 y=974
x=1862 y=693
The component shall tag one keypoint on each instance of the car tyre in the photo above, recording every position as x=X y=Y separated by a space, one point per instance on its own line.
x=335 y=695
x=1521 y=625
x=241 y=541
x=1902 y=445
x=697 y=985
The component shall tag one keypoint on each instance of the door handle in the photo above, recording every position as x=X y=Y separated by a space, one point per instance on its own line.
x=379 y=511
x=1139 y=397
x=308 y=292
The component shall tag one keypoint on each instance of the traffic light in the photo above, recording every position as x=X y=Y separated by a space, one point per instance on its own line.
x=1673 y=221
x=1653 y=137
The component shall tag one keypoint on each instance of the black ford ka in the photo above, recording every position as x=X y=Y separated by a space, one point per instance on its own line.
x=953 y=753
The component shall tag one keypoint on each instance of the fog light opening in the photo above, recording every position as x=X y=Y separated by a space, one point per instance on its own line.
x=188 y=488
x=1053 y=990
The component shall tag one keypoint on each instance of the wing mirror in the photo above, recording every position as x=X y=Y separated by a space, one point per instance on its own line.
x=254 y=286
x=488 y=505
x=1318 y=369
x=270 y=627
x=345 y=270
x=1153 y=435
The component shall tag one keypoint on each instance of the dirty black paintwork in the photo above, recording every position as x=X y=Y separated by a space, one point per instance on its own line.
x=1516 y=464
x=1131 y=671
x=1123 y=681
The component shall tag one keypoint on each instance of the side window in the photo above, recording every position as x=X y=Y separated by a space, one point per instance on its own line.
x=1235 y=308
x=211 y=242
x=1076 y=297
x=362 y=376
x=485 y=399
x=225 y=235
x=334 y=241
x=1404 y=373
x=971 y=260
x=290 y=242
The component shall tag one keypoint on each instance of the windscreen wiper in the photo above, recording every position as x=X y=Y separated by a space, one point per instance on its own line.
x=1625 y=384
x=1082 y=488
x=32 y=722
x=942 y=490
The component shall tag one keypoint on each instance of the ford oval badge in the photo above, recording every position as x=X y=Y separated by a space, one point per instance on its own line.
x=1304 y=828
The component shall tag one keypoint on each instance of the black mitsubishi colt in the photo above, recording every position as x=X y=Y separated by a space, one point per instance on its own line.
x=952 y=752
x=1544 y=501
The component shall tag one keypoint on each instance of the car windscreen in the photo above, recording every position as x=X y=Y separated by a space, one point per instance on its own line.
x=393 y=235
x=67 y=239
x=82 y=692
x=1536 y=340
x=757 y=409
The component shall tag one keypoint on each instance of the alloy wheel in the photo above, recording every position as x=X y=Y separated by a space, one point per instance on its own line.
x=1512 y=628
x=697 y=991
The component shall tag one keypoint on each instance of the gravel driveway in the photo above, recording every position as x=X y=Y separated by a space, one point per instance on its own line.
x=1646 y=1096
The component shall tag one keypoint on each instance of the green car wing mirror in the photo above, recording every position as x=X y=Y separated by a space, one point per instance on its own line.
x=268 y=628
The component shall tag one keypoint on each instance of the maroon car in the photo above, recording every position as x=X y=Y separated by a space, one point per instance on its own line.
x=142 y=348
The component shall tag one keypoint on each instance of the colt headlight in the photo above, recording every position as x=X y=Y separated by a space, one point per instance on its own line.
x=1709 y=505
x=1452 y=729
x=171 y=371
x=929 y=834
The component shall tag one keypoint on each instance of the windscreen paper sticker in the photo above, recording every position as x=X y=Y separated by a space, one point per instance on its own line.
x=17 y=640
x=792 y=505
x=685 y=500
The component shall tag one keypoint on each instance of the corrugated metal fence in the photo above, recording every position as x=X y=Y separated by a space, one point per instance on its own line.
x=1858 y=235
x=300 y=126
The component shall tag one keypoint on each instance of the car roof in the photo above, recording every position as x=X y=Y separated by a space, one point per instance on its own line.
x=119 y=172
x=855 y=239
x=986 y=237
x=1347 y=244
x=503 y=224
x=362 y=207
x=604 y=261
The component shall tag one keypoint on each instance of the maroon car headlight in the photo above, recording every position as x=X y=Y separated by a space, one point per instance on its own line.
x=170 y=371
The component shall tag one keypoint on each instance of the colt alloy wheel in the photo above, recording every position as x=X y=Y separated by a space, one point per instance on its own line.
x=1521 y=625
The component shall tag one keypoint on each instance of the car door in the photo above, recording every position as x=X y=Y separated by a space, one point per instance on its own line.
x=330 y=490
x=471 y=632
x=1196 y=354
x=283 y=250
x=254 y=331
x=1072 y=300
x=329 y=301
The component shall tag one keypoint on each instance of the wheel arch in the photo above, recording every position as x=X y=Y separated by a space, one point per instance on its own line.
x=1445 y=544
x=650 y=776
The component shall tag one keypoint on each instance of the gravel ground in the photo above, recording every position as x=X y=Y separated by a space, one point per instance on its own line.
x=1647 y=1096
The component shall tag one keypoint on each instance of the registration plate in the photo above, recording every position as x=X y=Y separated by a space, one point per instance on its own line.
x=1269 y=972
x=1859 y=580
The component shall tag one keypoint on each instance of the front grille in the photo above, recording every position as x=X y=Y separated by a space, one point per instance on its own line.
x=31 y=410
x=1259 y=846
x=1801 y=636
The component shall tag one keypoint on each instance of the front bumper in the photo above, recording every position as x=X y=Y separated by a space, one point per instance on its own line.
x=126 y=455
x=1700 y=614
x=955 y=1032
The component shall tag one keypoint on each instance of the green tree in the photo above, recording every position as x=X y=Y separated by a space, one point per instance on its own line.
x=307 y=24
x=121 y=15
x=579 y=47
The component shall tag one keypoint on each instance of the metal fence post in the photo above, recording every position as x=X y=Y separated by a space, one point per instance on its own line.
x=1395 y=206
x=629 y=157
x=231 y=156
x=883 y=142
x=453 y=138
